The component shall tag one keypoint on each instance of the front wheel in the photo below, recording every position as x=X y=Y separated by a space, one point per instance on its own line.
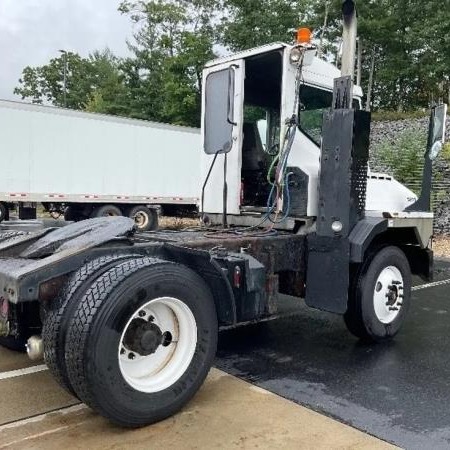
x=141 y=341
x=379 y=296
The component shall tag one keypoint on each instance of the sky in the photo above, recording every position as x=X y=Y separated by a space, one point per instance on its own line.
x=32 y=32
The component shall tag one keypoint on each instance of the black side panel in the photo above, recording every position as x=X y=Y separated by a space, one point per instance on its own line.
x=343 y=170
x=342 y=195
x=328 y=273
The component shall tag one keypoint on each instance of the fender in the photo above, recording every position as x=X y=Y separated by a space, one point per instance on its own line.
x=200 y=261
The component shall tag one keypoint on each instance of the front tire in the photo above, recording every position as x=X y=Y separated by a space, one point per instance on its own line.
x=142 y=341
x=379 y=296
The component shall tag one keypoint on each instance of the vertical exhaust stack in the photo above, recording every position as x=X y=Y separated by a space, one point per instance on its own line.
x=349 y=38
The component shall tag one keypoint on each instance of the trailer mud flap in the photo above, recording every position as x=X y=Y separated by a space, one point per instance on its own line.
x=328 y=273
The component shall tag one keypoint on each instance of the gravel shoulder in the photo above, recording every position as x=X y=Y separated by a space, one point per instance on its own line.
x=441 y=246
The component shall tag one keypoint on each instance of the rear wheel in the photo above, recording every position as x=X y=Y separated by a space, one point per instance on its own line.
x=146 y=219
x=72 y=214
x=59 y=313
x=105 y=211
x=380 y=296
x=142 y=341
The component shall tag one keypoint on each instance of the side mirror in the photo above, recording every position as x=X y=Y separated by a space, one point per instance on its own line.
x=436 y=134
x=219 y=111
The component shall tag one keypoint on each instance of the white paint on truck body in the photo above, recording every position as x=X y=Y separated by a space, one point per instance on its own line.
x=52 y=154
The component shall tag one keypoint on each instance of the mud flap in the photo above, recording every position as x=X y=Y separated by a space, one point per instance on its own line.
x=328 y=273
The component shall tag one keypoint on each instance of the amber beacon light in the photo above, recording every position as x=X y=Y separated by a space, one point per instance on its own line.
x=304 y=36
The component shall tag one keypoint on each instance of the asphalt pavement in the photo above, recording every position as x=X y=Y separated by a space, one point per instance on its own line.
x=304 y=380
x=398 y=391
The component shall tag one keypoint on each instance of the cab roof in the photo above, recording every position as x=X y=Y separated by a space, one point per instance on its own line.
x=319 y=73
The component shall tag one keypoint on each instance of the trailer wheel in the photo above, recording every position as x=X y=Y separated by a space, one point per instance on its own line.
x=146 y=219
x=105 y=211
x=59 y=313
x=379 y=296
x=4 y=212
x=142 y=341
x=71 y=214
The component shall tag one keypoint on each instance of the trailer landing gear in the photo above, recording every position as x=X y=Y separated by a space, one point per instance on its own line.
x=379 y=295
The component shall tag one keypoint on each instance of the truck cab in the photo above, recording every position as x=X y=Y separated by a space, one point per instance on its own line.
x=248 y=101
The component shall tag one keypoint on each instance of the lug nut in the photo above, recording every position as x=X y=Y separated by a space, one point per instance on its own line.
x=142 y=313
x=131 y=356
x=122 y=351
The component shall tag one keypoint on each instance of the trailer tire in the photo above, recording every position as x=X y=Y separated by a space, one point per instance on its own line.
x=4 y=212
x=71 y=214
x=105 y=211
x=379 y=296
x=146 y=219
x=101 y=370
x=59 y=313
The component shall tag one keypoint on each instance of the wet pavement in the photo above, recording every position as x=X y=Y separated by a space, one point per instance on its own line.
x=399 y=391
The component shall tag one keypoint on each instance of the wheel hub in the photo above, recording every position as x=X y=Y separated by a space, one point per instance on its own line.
x=388 y=294
x=157 y=344
x=143 y=337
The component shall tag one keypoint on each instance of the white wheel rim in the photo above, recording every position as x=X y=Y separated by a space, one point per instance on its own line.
x=164 y=367
x=388 y=294
x=141 y=219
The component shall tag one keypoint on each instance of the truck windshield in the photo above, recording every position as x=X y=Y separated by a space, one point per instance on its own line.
x=313 y=103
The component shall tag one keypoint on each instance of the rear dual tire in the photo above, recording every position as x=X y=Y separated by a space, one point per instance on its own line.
x=173 y=310
x=59 y=314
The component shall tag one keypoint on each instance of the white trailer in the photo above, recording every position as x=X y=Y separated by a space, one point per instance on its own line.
x=91 y=165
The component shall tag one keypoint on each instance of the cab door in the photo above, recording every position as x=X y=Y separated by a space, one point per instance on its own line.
x=222 y=122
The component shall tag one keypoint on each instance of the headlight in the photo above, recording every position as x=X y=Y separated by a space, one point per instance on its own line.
x=296 y=55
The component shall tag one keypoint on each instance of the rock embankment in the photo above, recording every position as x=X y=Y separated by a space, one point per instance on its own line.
x=387 y=132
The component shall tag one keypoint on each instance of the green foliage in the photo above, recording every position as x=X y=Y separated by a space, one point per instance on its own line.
x=446 y=152
x=389 y=116
x=173 y=42
x=403 y=157
x=173 y=39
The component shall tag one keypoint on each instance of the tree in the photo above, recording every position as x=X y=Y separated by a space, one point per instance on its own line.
x=96 y=76
x=173 y=42
x=251 y=23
